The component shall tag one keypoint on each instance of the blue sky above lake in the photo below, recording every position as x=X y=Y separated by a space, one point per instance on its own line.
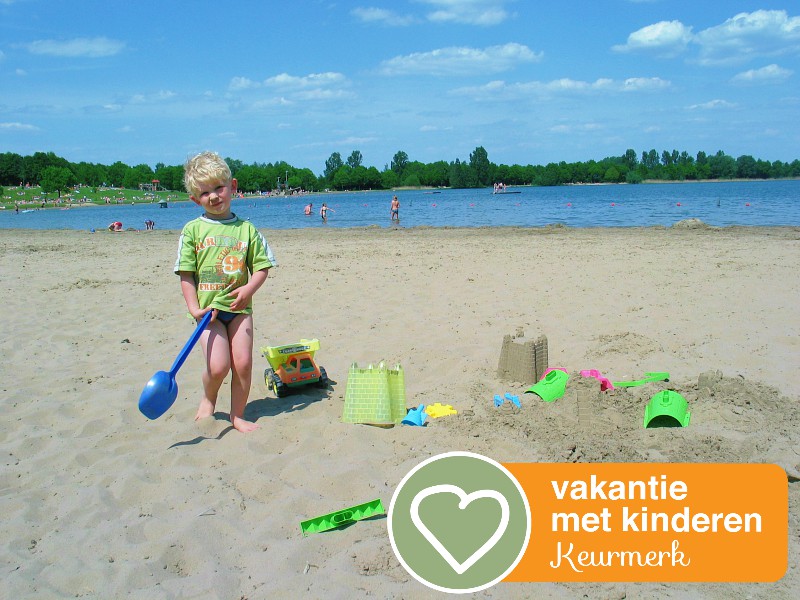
x=531 y=82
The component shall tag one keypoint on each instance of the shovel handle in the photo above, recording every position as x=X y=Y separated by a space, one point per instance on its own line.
x=190 y=343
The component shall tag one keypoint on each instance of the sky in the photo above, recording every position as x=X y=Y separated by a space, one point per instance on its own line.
x=531 y=82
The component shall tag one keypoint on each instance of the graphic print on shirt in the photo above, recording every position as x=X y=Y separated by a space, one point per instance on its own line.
x=228 y=267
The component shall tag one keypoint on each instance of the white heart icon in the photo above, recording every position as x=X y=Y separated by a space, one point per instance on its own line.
x=464 y=501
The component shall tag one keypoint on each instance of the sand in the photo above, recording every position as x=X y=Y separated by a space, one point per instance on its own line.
x=99 y=502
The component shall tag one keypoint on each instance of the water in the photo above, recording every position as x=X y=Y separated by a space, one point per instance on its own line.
x=718 y=204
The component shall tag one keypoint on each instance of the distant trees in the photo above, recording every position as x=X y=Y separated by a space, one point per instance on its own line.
x=399 y=163
x=480 y=167
x=137 y=175
x=56 y=179
x=333 y=164
x=355 y=158
x=55 y=173
x=170 y=178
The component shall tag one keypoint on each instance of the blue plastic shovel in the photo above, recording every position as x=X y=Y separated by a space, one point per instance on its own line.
x=162 y=389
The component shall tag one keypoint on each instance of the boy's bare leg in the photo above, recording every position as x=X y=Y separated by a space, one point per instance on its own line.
x=214 y=342
x=240 y=332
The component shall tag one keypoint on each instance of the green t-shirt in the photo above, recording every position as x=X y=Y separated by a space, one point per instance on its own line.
x=220 y=253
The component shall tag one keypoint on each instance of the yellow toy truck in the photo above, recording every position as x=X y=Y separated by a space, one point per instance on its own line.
x=293 y=365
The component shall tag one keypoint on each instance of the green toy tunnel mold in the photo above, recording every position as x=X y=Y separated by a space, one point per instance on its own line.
x=551 y=387
x=667 y=409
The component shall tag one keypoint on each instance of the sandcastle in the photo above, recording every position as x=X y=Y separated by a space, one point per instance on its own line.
x=524 y=362
x=375 y=395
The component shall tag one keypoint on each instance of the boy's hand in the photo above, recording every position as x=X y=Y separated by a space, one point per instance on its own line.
x=200 y=313
x=241 y=297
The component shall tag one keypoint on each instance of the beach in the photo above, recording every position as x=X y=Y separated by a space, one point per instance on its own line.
x=99 y=502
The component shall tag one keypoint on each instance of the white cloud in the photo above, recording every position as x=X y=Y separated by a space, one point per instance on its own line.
x=460 y=60
x=668 y=38
x=320 y=94
x=380 y=15
x=713 y=105
x=500 y=90
x=644 y=84
x=18 y=127
x=79 y=47
x=750 y=35
x=284 y=80
x=356 y=141
x=769 y=74
x=97 y=109
x=429 y=128
x=289 y=89
x=577 y=128
x=740 y=38
x=160 y=96
x=315 y=86
x=243 y=83
x=270 y=102
x=484 y=13
x=467 y=12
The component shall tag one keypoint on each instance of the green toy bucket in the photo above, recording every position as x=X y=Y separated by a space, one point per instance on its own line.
x=667 y=409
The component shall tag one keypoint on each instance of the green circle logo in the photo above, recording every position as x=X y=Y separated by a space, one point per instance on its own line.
x=459 y=522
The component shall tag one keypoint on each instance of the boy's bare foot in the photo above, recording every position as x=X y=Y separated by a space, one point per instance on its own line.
x=206 y=409
x=239 y=424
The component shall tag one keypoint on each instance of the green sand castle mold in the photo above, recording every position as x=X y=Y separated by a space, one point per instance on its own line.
x=342 y=517
x=375 y=395
x=551 y=387
x=667 y=409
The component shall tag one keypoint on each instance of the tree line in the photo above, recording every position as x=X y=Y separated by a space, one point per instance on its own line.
x=55 y=173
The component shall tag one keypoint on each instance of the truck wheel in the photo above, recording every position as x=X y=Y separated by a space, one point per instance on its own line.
x=280 y=388
x=323 y=378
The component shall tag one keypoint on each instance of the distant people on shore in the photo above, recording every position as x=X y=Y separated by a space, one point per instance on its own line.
x=115 y=226
x=149 y=224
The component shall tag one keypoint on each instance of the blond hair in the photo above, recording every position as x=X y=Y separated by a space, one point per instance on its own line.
x=205 y=168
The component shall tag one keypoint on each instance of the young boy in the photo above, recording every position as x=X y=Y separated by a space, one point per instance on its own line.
x=222 y=262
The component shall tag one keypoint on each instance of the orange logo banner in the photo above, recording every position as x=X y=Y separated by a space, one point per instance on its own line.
x=654 y=522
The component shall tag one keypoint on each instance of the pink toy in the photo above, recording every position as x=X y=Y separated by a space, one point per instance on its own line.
x=605 y=383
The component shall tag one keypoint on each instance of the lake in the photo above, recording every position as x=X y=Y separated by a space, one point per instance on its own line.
x=718 y=204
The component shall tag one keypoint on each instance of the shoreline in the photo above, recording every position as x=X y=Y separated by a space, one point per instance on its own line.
x=551 y=228
x=9 y=205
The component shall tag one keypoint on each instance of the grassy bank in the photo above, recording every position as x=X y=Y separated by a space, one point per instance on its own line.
x=34 y=197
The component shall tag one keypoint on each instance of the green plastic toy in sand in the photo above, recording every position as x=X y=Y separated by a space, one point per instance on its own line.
x=667 y=409
x=648 y=377
x=551 y=387
x=342 y=517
